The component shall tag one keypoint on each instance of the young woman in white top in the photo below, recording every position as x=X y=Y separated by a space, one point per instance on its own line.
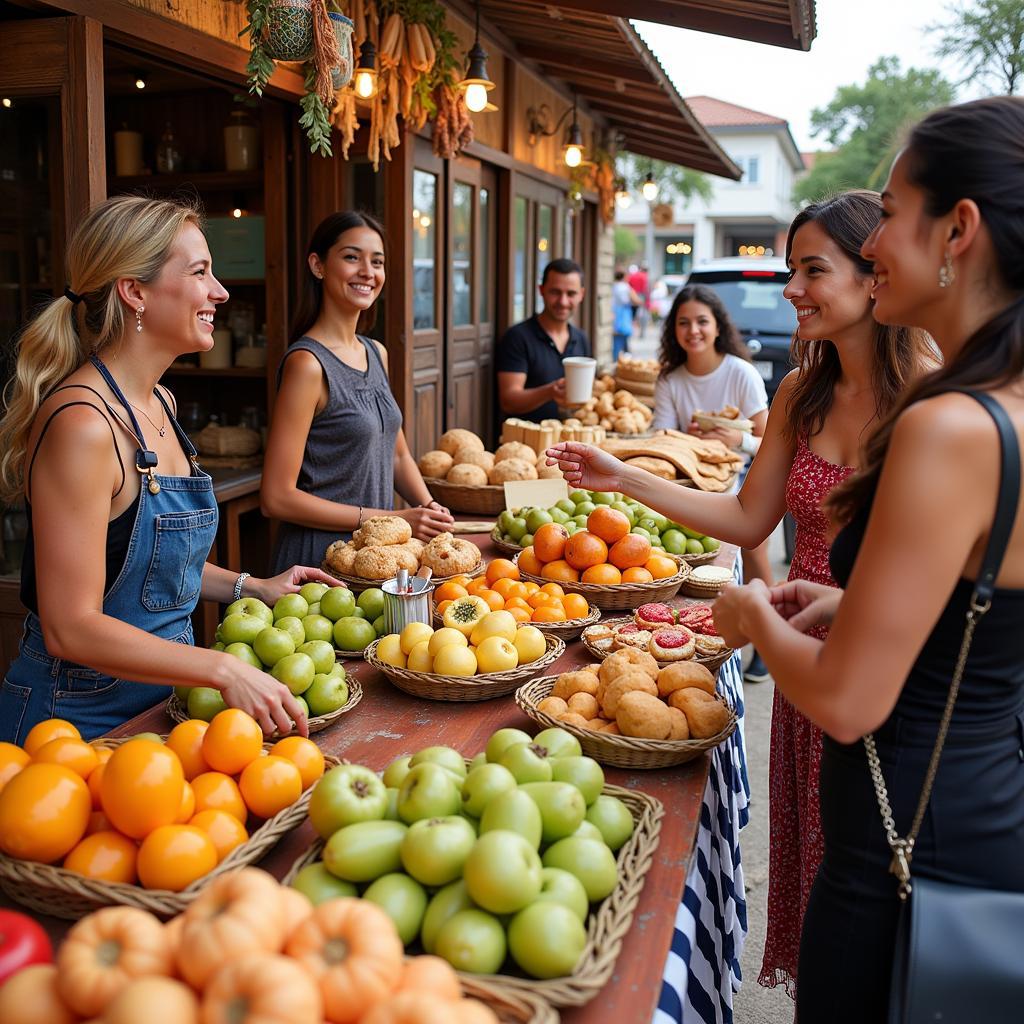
x=705 y=366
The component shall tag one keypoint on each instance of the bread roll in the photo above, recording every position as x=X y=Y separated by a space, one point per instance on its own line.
x=681 y=674
x=624 y=684
x=705 y=715
x=584 y=704
x=452 y=440
x=468 y=475
x=643 y=715
x=435 y=464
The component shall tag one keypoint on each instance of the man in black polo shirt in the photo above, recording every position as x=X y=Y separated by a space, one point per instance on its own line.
x=531 y=380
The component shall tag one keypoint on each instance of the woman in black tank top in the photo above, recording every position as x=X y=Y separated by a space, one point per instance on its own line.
x=919 y=519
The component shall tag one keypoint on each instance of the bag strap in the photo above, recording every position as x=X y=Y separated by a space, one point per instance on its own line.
x=980 y=602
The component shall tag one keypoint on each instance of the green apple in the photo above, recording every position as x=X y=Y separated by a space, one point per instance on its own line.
x=503 y=738
x=291 y=604
x=379 y=625
x=472 y=941
x=593 y=863
x=648 y=523
x=674 y=541
x=337 y=603
x=579 y=495
x=560 y=886
x=403 y=900
x=612 y=817
x=397 y=771
x=513 y=811
x=483 y=784
x=218 y=645
x=710 y=544
x=326 y=693
x=504 y=520
x=446 y=757
x=622 y=507
x=603 y=497
x=358 y=613
x=546 y=939
x=558 y=743
x=478 y=759
x=528 y=762
x=580 y=521
x=641 y=532
x=272 y=644
x=318 y=627
x=583 y=772
x=321 y=652
x=314 y=608
x=250 y=606
x=151 y=736
x=391 y=811
x=656 y=542
x=503 y=872
x=365 y=851
x=182 y=692
x=561 y=807
x=346 y=794
x=517 y=529
x=588 y=830
x=244 y=653
x=428 y=791
x=318 y=885
x=205 y=702
x=352 y=633
x=293 y=627
x=537 y=518
x=444 y=904
x=296 y=671
x=371 y=601
x=526 y=540
x=567 y=505
x=312 y=592
x=338 y=669
x=301 y=701
x=435 y=849
x=241 y=628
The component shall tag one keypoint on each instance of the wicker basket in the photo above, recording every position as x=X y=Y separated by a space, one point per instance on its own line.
x=317 y=723
x=512 y=1006
x=704 y=591
x=463 y=688
x=486 y=499
x=50 y=889
x=357 y=584
x=622 y=596
x=607 y=925
x=702 y=559
x=568 y=630
x=503 y=545
x=712 y=662
x=619 y=751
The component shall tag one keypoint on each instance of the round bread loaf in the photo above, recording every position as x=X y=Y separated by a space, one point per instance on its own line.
x=435 y=464
x=705 y=715
x=468 y=475
x=644 y=716
x=452 y=440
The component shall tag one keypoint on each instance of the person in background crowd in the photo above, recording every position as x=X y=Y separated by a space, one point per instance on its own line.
x=121 y=517
x=639 y=280
x=623 y=300
x=916 y=521
x=531 y=379
x=336 y=452
x=850 y=373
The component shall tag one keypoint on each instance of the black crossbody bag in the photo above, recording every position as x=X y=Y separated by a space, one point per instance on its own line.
x=959 y=956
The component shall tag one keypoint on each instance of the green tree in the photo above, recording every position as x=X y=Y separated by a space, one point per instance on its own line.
x=987 y=39
x=864 y=126
x=675 y=183
x=627 y=245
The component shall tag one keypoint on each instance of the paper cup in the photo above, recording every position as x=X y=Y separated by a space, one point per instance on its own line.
x=579 y=378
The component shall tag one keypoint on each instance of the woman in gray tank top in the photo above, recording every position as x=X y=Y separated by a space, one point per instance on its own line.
x=336 y=452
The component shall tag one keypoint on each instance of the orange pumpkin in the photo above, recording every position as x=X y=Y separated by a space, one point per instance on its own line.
x=172 y=932
x=430 y=974
x=44 y=812
x=262 y=988
x=31 y=997
x=472 y=1011
x=412 y=1008
x=296 y=908
x=107 y=855
x=240 y=912
x=162 y=999
x=141 y=787
x=353 y=951
x=105 y=951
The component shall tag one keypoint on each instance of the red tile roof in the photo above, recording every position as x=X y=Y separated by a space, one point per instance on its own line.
x=714 y=113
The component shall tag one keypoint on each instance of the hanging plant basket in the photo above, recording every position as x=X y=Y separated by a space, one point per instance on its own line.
x=342 y=74
x=289 y=29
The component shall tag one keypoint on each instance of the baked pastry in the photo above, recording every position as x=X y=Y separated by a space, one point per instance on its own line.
x=612 y=729
x=708 y=646
x=468 y=475
x=682 y=674
x=626 y=683
x=378 y=530
x=694 y=616
x=654 y=616
x=711 y=574
x=642 y=715
x=515 y=450
x=633 y=636
x=661 y=468
x=705 y=715
x=579 y=681
x=382 y=561
x=512 y=469
x=600 y=636
x=435 y=464
x=471 y=457
x=448 y=555
x=553 y=706
x=624 y=660
x=415 y=545
x=571 y=718
x=584 y=704
x=341 y=556
x=680 y=726
x=673 y=643
x=452 y=440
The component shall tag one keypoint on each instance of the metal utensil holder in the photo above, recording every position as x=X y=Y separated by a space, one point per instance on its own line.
x=402 y=608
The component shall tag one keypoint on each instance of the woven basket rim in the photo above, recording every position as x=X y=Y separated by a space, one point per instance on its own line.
x=675 y=579
x=701 y=559
x=367 y=584
x=607 y=926
x=513 y=1006
x=473 y=488
x=486 y=499
x=700 y=659
x=503 y=545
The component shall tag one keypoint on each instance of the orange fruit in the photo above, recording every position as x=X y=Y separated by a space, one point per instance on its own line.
x=661 y=566
x=108 y=856
x=576 y=606
x=94 y=782
x=608 y=523
x=43 y=732
x=506 y=586
x=44 y=811
x=74 y=754
x=174 y=856
x=141 y=787
x=637 y=574
x=232 y=741
x=98 y=822
x=462 y=579
x=103 y=753
x=531 y=588
x=518 y=602
x=633 y=550
x=519 y=614
x=560 y=570
x=188 y=805
x=270 y=784
x=529 y=562
x=553 y=589
x=501 y=569
x=549 y=542
x=12 y=760
x=223 y=828
x=476 y=585
x=549 y=613
x=216 y=791
x=540 y=599
x=302 y=753
x=445 y=604
x=585 y=549
x=603 y=573
x=449 y=591
x=186 y=740
x=494 y=600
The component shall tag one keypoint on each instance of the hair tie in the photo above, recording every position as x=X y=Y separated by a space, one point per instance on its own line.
x=72 y=296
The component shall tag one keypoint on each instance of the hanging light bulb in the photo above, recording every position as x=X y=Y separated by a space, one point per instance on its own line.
x=573 y=148
x=140 y=82
x=365 y=80
x=622 y=197
x=477 y=84
x=649 y=187
x=476 y=97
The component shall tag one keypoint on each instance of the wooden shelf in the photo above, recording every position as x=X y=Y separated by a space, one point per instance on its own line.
x=208 y=181
x=231 y=371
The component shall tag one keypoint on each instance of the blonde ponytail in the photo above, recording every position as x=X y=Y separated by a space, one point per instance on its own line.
x=124 y=237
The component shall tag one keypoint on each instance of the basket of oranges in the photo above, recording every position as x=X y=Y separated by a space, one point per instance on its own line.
x=144 y=821
x=607 y=564
x=544 y=604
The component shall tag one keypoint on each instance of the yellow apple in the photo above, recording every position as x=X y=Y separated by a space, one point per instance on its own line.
x=497 y=654
x=453 y=660
x=493 y=624
x=530 y=644
x=414 y=633
x=444 y=636
x=420 y=658
x=389 y=650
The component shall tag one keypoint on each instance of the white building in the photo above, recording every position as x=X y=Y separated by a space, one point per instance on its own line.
x=746 y=217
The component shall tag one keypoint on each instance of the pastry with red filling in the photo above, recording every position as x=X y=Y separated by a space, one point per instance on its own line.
x=673 y=643
x=654 y=616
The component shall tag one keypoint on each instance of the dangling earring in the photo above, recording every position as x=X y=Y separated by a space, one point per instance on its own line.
x=138 y=318
x=946 y=273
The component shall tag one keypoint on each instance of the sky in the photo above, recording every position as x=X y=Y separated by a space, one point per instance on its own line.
x=791 y=83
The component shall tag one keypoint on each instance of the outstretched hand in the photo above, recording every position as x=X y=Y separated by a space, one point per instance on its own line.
x=289 y=582
x=583 y=465
x=731 y=606
x=804 y=604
